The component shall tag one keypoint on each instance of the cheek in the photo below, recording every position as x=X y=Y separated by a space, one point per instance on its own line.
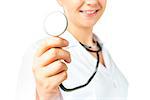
x=72 y=4
x=103 y=2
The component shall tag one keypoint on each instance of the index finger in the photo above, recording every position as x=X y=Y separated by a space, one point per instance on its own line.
x=52 y=42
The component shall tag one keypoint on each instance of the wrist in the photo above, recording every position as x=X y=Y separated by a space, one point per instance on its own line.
x=56 y=96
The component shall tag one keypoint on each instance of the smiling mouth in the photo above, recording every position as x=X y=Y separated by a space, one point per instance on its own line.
x=89 y=12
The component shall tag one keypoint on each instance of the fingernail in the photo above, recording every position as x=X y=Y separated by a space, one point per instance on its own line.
x=66 y=42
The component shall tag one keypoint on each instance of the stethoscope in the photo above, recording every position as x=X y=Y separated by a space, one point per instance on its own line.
x=56 y=24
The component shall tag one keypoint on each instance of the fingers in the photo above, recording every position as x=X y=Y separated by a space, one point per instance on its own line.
x=52 y=55
x=48 y=70
x=50 y=43
x=58 y=79
x=53 y=69
x=51 y=76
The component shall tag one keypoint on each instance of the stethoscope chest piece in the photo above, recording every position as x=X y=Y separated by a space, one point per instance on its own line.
x=55 y=23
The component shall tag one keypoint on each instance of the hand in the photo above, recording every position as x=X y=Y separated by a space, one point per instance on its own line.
x=48 y=69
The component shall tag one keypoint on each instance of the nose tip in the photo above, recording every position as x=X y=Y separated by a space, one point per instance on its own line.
x=90 y=1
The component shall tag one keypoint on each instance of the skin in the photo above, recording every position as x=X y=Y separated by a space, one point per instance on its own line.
x=48 y=70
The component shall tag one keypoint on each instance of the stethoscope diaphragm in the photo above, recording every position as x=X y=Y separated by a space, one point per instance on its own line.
x=55 y=23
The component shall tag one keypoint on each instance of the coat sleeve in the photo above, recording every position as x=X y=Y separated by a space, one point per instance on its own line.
x=26 y=83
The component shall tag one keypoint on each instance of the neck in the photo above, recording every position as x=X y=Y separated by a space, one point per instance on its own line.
x=82 y=34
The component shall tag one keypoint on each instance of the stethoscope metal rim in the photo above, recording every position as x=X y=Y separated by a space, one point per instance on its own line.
x=44 y=23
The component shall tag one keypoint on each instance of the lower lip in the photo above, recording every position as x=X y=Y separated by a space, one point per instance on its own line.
x=89 y=15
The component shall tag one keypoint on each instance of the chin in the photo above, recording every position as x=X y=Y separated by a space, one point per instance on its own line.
x=87 y=24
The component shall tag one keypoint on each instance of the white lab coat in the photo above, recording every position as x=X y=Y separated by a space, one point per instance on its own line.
x=107 y=84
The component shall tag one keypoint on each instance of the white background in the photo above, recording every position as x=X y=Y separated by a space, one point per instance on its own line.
x=124 y=29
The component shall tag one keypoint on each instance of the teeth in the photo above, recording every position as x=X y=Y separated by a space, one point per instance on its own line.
x=89 y=12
